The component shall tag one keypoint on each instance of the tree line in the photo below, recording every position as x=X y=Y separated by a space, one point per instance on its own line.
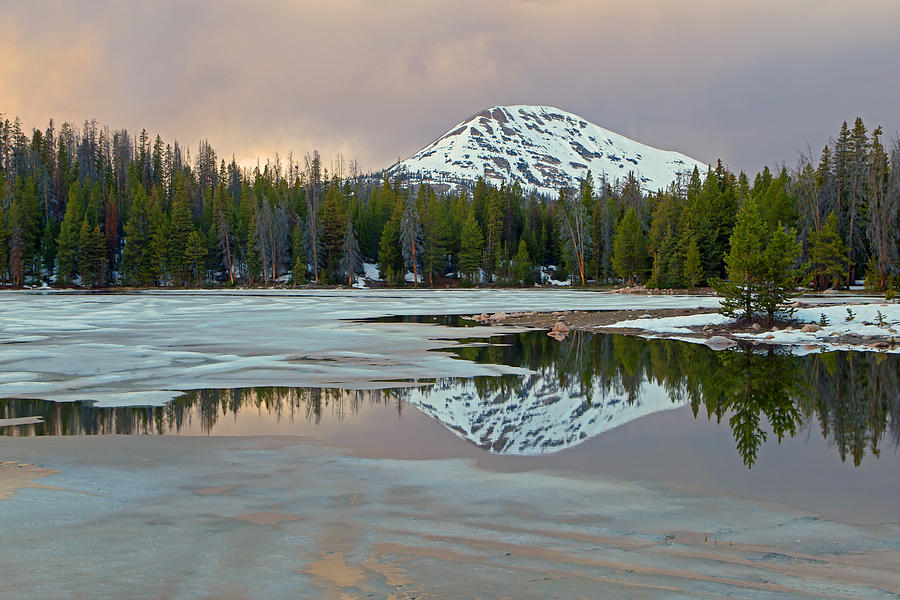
x=95 y=207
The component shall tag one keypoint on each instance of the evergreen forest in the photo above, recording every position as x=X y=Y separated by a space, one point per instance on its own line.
x=96 y=208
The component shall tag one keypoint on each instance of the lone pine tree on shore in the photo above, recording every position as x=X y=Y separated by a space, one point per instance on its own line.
x=761 y=266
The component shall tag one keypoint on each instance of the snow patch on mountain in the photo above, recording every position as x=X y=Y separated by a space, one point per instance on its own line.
x=540 y=147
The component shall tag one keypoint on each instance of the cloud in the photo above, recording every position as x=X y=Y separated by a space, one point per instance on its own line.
x=748 y=82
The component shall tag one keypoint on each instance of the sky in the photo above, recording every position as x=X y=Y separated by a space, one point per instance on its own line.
x=753 y=83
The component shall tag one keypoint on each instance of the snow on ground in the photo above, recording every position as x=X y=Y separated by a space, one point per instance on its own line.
x=864 y=323
x=371 y=272
x=547 y=279
x=672 y=324
x=109 y=347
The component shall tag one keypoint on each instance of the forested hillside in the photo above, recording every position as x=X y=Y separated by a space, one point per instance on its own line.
x=92 y=207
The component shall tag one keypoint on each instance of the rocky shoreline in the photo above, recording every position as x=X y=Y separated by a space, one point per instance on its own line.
x=718 y=334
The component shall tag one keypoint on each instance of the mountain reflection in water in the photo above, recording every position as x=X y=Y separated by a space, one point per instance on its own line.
x=578 y=388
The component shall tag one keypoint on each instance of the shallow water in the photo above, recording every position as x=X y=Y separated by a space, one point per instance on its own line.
x=820 y=431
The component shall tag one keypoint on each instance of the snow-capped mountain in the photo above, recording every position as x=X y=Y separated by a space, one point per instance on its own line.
x=537 y=416
x=541 y=147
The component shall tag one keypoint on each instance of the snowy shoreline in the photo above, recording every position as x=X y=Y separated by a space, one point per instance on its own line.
x=870 y=326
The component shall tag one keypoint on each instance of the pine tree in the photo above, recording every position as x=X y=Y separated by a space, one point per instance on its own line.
x=91 y=255
x=761 y=265
x=744 y=264
x=194 y=254
x=522 y=267
x=99 y=262
x=254 y=262
x=780 y=275
x=179 y=232
x=333 y=222
x=350 y=264
x=471 y=245
x=827 y=255
x=298 y=270
x=883 y=209
x=159 y=245
x=693 y=270
x=67 y=243
x=137 y=263
x=224 y=228
x=629 y=248
x=390 y=258
x=4 y=242
x=492 y=232
x=436 y=229
x=48 y=248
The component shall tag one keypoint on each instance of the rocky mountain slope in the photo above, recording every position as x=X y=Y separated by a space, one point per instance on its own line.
x=541 y=147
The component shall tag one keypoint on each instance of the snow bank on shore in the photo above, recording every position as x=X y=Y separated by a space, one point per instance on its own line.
x=862 y=321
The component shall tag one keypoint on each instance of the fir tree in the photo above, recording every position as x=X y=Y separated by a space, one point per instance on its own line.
x=780 y=275
x=744 y=264
x=179 y=232
x=333 y=222
x=827 y=255
x=492 y=233
x=390 y=257
x=693 y=269
x=629 y=248
x=350 y=264
x=224 y=228
x=4 y=243
x=437 y=232
x=522 y=267
x=194 y=254
x=298 y=270
x=761 y=266
x=254 y=263
x=99 y=263
x=91 y=255
x=471 y=245
x=67 y=243
x=137 y=263
x=159 y=245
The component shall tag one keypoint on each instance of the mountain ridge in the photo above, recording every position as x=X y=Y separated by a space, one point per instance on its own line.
x=543 y=148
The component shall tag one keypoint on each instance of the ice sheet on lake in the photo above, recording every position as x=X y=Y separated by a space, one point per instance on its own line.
x=103 y=346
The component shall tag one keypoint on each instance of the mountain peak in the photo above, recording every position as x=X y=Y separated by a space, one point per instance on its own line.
x=542 y=148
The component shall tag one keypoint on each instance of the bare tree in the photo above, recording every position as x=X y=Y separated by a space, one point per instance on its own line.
x=411 y=238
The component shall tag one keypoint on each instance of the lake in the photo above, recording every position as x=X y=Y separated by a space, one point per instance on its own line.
x=819 y=431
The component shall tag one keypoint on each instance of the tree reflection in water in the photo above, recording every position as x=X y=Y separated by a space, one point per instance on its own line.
x=853 y=397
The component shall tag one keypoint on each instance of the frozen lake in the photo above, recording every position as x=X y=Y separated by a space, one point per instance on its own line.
x=390 y=456
x=119 y=349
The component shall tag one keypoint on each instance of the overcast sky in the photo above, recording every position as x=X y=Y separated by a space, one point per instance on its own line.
x=750 y=82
